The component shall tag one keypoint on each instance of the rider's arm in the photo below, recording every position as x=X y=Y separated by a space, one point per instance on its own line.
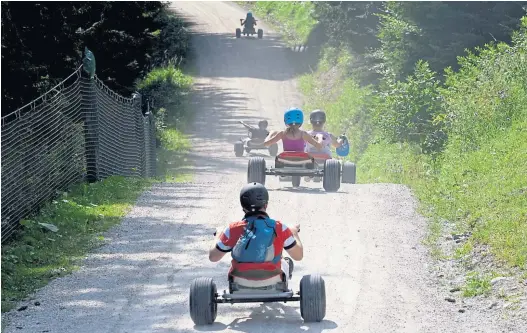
x=311 y=140
x=220 y=246
x=273 y=138
x=246 y=125
x=292 y=243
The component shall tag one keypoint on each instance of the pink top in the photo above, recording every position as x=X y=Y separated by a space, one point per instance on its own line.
x=292 y=144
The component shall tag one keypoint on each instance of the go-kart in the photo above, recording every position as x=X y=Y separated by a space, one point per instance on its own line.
x=204 y=298
x=248 y=31
x=296 y=165
x=248 y=144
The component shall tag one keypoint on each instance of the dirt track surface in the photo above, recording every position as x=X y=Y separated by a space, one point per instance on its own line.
x=365 y=240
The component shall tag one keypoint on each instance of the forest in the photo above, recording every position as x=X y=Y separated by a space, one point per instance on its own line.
x=43 y=43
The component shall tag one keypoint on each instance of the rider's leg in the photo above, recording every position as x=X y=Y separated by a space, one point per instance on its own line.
x=288 y=267
x=285 y=270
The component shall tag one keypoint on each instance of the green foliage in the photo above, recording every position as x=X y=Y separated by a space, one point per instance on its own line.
x=395 y=36
x=476 y=284
x=172 y=41
x=50 y=243
x=345 y=103
x=42 y=43
x=410 y=110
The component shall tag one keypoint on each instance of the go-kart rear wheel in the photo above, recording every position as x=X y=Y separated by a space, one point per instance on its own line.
x=203 y=309
x=296 y=181
x=331 y=178
x=349 y=171
x=312 y=298
x=273 y=150
x=260 y=33
x=256 y=170
x=238 y=149
x=238 y=32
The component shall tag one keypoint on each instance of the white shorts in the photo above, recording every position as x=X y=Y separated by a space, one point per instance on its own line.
x=324 y=150
x=267 y=282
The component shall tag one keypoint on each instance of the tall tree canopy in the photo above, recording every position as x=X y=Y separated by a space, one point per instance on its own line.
x=42 y=43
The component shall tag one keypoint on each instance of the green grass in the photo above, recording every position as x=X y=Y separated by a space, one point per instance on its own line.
x=38 y=255
x=293 y=18
x=476 y=284
x=170 y=88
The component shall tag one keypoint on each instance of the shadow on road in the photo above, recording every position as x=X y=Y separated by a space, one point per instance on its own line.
x=266 y=59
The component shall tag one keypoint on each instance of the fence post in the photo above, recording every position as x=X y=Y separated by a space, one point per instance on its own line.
x=89 y=114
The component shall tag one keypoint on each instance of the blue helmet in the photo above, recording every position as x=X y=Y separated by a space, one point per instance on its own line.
x=294 y=116
x=249 y=14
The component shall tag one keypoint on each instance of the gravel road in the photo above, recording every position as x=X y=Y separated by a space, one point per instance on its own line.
x=365 y=240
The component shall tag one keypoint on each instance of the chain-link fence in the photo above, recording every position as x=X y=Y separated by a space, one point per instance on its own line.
x=78 y=131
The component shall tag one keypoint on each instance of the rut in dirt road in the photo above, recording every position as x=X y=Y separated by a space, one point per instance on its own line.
x=365 y=240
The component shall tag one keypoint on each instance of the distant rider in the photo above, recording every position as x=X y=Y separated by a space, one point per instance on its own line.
x=245 y=239
x=259 y=134
x=249 y=21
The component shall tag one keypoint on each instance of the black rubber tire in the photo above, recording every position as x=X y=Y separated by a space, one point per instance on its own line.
x=238 y=149
x=273 y=150
x=349 y=173
x=256 y=170
x=203 y=309
x=312 y=298
x=238 y=32
x=296 y=181
x=260 y=33
x=331 y=179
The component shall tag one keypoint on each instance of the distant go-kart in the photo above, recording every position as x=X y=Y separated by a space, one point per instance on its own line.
x=301 y=164
x=248 y=31
x=248 y=144
x=204 y=297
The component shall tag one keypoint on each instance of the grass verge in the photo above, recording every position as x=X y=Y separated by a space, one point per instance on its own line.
x=52 y=242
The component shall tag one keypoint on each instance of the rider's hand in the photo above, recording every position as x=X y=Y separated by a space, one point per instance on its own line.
x=218 y=232
x=295 y=230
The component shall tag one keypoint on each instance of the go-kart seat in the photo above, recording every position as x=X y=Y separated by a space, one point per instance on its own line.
x=297 y=158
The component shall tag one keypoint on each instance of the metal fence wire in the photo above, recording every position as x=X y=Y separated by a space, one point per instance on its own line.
x=78 y=131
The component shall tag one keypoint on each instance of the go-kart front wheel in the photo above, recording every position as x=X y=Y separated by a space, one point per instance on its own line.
x=349 y=171
x=312 y=298
x=238 y=149
x=203 y=308
x=273 y=150
x=256 y=170
x=331 y=177
x=260 y=33
x=238 y=32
